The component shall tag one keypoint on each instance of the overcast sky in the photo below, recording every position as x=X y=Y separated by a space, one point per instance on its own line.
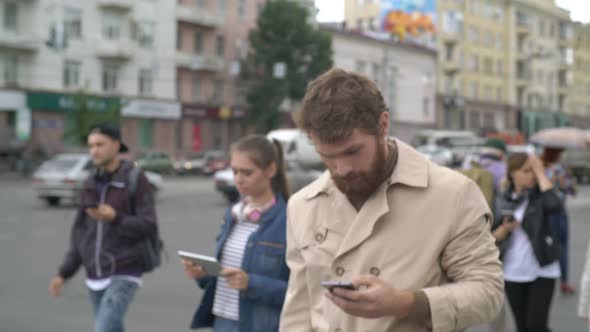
x=333 y=10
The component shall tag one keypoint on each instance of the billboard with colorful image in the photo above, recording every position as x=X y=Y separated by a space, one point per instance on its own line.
x=409 y=19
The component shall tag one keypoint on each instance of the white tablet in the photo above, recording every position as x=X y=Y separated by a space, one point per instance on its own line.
x=210 y=264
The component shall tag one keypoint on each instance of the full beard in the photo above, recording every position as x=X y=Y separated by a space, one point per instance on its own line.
x=360 y=185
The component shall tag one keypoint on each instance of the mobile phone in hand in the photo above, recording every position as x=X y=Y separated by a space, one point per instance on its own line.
x=508 y=214
x=331 y=285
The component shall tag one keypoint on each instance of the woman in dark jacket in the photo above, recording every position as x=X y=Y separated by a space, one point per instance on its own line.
x=529 y=250
x=249 y=295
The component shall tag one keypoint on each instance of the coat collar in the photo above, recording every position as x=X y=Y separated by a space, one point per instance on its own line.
x=411 y=170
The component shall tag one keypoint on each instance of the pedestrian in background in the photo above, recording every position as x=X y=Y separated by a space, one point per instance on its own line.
x=584 y=301
x=565 y=186
x=249 y=294
x=529 y=249
x=110 y=231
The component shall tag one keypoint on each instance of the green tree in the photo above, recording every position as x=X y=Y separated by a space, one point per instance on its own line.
x=86 y=112
x=283 y=35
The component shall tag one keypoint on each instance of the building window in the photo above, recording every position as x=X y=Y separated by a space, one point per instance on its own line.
x=474 y=90
x=198 y=42
x=474 y=63
x=500 y=67
x=474 y=120
x=542 y=27
x=11 y=16
x=473 y=34
x=259 y=8
x=488 y=93
x=196 y=88
x=499 y=42
x=499 y=94
x=376 y=72
x=200 y=3
x=426 y=106
x=73 y=23
x=361 y=66
x=10 y=69
x=110 y=73
x=218 y=91
x=220 y=46
x=242 y=9
x=146 y=127
x=221 y=6
x=71 y=74
x=488 y=66
x=146 y=33
x=359 y=23
x=111 y=25
x=145 y=82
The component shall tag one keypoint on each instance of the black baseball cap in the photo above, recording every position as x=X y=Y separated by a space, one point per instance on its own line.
x=112 y=131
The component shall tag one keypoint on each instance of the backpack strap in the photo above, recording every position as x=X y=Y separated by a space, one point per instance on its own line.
x=132 y=186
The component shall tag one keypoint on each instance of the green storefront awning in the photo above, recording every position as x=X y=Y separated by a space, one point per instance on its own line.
x=57 y=102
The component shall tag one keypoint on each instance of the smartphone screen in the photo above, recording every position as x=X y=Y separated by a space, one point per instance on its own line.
x=331 y=285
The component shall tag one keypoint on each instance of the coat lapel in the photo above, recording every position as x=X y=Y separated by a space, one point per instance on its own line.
x=364 y=222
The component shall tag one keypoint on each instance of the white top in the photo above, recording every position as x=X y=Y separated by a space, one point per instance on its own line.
x=102 y=284
x=226 y=302
x=584 y=304
x=520 y=262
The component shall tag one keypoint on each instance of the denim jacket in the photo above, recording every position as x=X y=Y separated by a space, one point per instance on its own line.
x=264 y=260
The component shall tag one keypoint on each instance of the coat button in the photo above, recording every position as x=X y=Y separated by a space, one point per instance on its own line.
x=339 y=271
x=319 y=237
x=375 y=271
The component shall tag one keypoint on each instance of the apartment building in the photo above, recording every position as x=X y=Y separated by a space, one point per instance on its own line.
x=541 y=58
x=116 y=51
x=580 y=92
x=404 y=73
x=502 y=65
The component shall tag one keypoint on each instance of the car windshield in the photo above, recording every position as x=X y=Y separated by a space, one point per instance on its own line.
x=59 y=164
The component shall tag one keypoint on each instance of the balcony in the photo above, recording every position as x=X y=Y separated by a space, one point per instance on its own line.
x=19 y=42
x=451 y=66
x=117 y=4
x=115 y=49
x=199 y=61
x=523 y=78
x=200 y=16
x=523 y=24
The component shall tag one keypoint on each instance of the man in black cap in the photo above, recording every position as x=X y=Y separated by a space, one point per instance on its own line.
x=115 y=218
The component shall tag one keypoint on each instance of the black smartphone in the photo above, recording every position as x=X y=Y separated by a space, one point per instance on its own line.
x=331 y=285
x=508 y=214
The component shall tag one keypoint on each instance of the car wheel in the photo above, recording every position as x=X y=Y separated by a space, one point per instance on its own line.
x=53 y=200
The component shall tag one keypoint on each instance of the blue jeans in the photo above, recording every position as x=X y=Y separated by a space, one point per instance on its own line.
x=225 y=325
x=111 y=304
x=561 y=226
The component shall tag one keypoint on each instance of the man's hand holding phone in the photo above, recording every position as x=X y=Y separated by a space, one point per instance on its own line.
x=372 y=298
x=103 y=212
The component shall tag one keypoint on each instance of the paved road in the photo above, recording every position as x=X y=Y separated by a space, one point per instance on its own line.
x=33 y=239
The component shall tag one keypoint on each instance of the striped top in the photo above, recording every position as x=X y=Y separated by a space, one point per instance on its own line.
x=226 y=302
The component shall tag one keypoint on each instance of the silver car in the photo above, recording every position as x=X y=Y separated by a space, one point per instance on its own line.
x=63 y=176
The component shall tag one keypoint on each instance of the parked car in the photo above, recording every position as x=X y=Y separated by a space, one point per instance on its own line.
x=158 y=162
x=578 y=163
x=437 y=154
x=203 y=163
x=62 y=177
x=460 y=143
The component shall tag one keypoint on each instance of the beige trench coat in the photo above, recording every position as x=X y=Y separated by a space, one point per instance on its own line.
x=426 y=228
